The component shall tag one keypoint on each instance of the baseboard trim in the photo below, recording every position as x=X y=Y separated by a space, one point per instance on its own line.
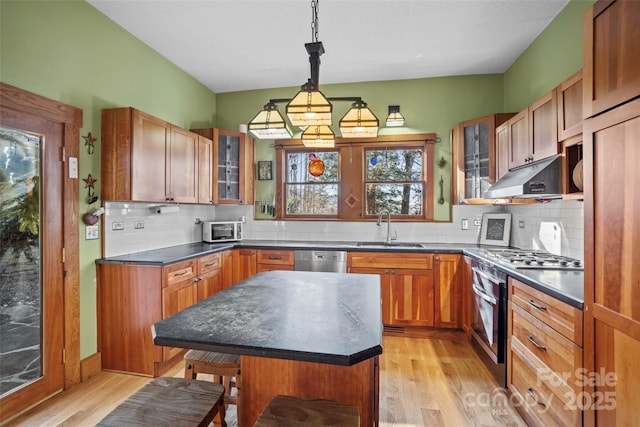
x=420 y=332
x=90 y=366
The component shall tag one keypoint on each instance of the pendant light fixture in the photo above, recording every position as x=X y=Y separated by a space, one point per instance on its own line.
x=311 y=110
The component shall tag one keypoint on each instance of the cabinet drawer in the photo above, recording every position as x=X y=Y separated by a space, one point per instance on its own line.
x=271 y=256
x=559 y=354
x=273 y=267
x=537 y=400
x=208 y=263
x=560 y=316
x=391 y=260
x=178 y=272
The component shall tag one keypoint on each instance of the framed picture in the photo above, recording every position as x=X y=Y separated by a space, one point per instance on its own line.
x=496 y=229
x=264 y=170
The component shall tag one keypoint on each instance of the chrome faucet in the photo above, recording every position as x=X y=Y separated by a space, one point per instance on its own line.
x=382 y=212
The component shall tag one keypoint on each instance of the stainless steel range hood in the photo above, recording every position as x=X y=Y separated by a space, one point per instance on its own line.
x=539 y=180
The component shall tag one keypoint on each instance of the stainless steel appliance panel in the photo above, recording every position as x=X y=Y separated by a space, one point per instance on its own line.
x=323 y=261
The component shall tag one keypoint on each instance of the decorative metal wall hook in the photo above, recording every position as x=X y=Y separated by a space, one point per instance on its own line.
x=89 y=140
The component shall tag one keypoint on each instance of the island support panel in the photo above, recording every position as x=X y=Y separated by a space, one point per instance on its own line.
x=264 y=378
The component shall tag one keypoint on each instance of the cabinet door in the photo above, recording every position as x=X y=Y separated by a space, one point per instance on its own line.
x=209 y=283
x=385 y=291
x=611 y=55
x=502 y=150
x=182 y=164
x=519 y=139
x=467 y=282
x=226 y=260
x=148 y=158
x=244 y=265
x=228 y=155
x=543 y=127
x=175 y=298
x=205 y=170
x=412 y=297
x=447 y=291
x=570 y=107
x=612 y=233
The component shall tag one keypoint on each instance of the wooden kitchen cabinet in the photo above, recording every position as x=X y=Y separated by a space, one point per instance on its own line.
x=448 y=279
x=132 y=297
x=569 y=99
x=274 y=259
x=147 y=159
x=407 y=285
x=475 y=155
x=244 y=264
x=544 y=357
x=467 y=294
x=205 y=170
x=518 y=139
x=503 y=140
x=228 y=271
x=611 y=57
x=233 y=165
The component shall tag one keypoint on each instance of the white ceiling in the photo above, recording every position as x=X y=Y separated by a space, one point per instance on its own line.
x=234 y=45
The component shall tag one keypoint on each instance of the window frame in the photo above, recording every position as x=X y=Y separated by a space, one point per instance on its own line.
x=352 y=174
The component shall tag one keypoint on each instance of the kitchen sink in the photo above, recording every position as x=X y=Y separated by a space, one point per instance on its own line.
x=390 y=245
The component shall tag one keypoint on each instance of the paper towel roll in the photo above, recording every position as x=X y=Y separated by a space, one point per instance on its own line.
x=167 y=209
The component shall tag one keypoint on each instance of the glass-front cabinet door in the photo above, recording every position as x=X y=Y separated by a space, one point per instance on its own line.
x=229 y=158
x=476 y=159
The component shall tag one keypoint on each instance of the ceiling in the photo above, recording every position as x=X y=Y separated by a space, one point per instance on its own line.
x=235 y=45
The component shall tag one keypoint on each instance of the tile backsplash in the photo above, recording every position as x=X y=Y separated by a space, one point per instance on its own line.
x=556 y=226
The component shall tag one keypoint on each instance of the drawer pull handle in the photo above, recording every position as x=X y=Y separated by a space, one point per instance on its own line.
x=538 y=306
x=182 y=273
x=532 y=340
x=210 y=264
x=274 y=257
x=535 y=398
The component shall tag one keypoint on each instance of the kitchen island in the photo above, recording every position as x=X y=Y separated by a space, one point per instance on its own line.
x=306 y=334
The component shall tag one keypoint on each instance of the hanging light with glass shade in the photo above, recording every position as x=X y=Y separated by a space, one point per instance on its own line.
x=394 y=118
x=309 y=107
x=318 y=136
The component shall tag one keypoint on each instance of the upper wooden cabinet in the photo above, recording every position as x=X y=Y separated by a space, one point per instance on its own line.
x=611 y=58
x=502 y=150
x=570 y=107
x=147 y=159
x=476 y=155
x=518 y=139
x=233 y=166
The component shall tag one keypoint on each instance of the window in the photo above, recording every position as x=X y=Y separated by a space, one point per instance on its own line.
x=359 y=180
x=394 y=181
x=311 y=186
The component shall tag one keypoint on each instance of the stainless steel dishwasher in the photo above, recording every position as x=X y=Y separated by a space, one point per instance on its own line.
x=327 y=261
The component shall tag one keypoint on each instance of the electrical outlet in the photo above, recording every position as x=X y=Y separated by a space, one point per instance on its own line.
x=138 y=225
x=465 y=224
x=521 y=224
x=119 y=225
x=477 y=222
x=91 y=232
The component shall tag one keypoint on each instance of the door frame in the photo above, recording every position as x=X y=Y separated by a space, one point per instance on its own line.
x=14 y=100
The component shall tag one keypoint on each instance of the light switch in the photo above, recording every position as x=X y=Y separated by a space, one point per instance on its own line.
x=465 y=224
x=91 y=232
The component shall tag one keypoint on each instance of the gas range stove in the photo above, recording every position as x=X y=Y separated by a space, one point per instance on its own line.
x=535 y=259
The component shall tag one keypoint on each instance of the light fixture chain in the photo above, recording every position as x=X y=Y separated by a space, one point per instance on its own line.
x=314 y=20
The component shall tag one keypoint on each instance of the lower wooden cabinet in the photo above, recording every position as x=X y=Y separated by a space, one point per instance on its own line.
x=274 y=259
x=132 y=297
x=544 y=357
x=448 y=275
x=467 y=282
x=244 y=264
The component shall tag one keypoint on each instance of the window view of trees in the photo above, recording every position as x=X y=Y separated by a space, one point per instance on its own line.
x=307 y=194
x=394 y=181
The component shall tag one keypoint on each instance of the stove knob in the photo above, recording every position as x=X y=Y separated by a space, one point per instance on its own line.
x=540 y=262
x=576 y=263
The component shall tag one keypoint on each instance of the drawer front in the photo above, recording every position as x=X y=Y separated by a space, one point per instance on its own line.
x=535 y=399
x=270 y=256
x=178 y=272
x=560 y=316
x=416 y=261
x=208 y=263
x=558 y=353
x=273 y=267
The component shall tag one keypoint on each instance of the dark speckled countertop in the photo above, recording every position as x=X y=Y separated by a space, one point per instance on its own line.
x=568 y=286
x=330 y=318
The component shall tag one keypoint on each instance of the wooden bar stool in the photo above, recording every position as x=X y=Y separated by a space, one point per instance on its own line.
x=224 y=367
x=170 y=402
x=293 y=411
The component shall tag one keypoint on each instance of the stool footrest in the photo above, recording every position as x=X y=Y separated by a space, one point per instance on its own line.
x=296 y=411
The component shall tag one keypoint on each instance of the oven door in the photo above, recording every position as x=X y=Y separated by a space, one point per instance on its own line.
x=487 y=323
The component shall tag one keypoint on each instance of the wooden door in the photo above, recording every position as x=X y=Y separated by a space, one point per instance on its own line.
x=205 y=170
x=209 y=283
x=543 y=127
x=518 y=139
x=385 y=290
x=182 y=166
x=502 y=150
x=32 y=266
x=569 y=101
x=226 y=261
x=447 y=271
x=612 y=270
x=412 y=297
x=148 y=158
x=611 y=55
x=175 y=298
x=244 y=264
x=467 y=282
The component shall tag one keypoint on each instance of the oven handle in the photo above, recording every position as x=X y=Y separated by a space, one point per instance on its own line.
x=492 y=279
x=483 y=295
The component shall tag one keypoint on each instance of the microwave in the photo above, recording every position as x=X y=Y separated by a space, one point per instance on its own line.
x=221 y=231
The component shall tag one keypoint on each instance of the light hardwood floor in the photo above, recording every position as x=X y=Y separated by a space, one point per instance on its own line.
x=423 y=382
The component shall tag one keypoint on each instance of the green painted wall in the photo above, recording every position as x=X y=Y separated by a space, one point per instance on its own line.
x=70 y=52
x=428 y=105
x=552 y=57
